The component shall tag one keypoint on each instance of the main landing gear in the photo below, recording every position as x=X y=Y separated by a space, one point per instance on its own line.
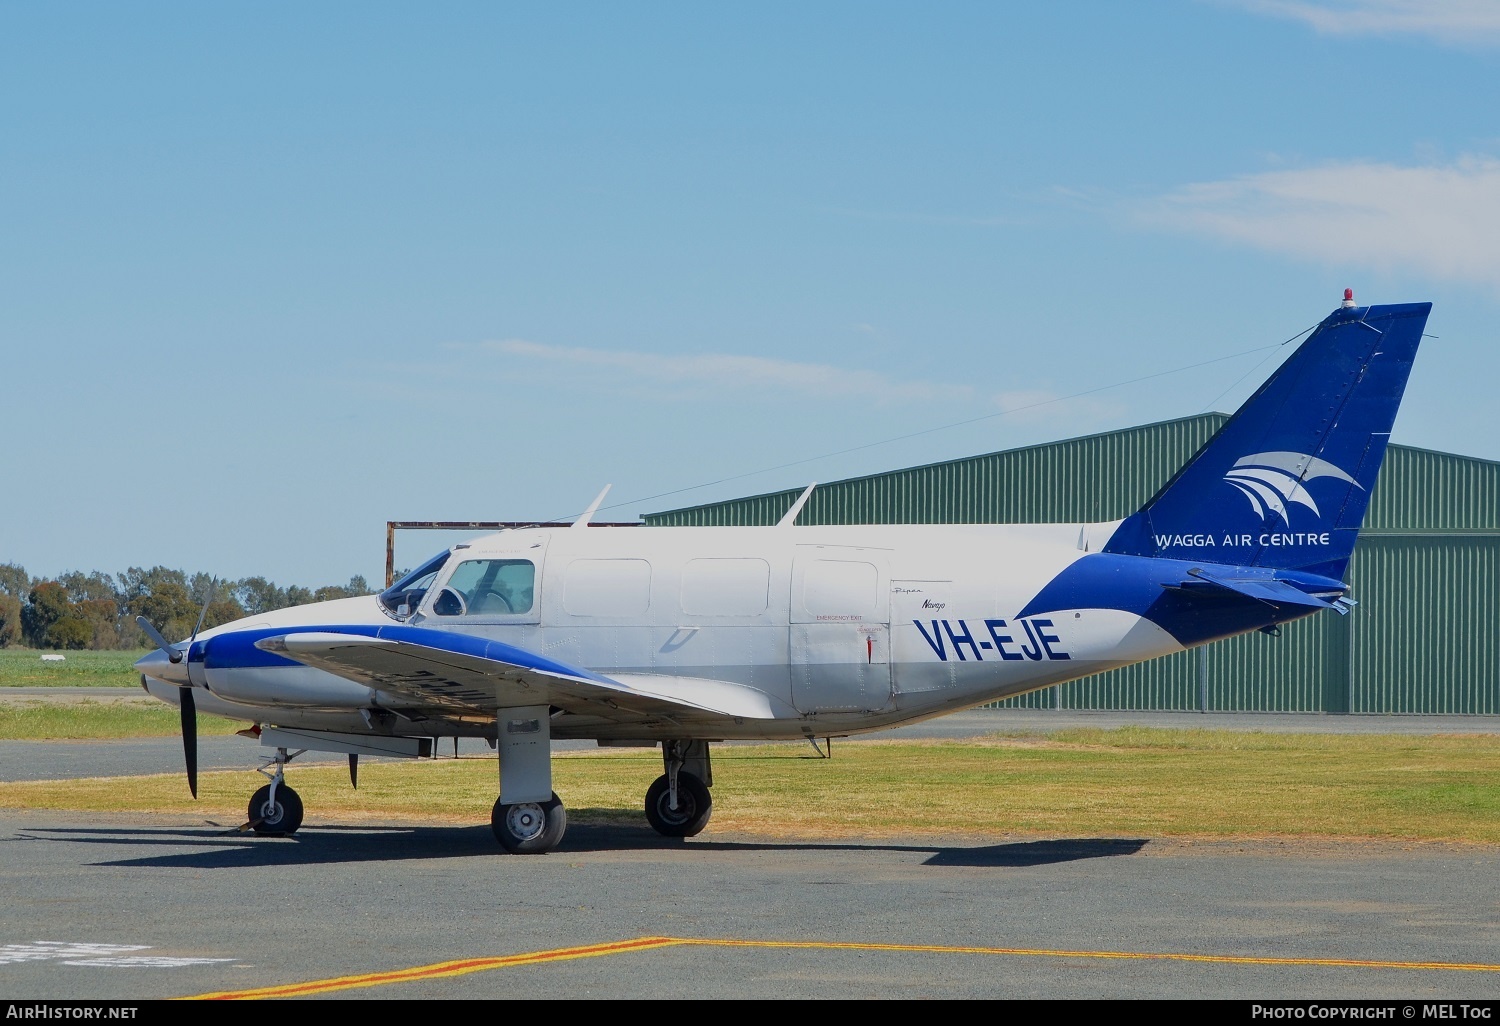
x=529 y=828
x=678 y=803
x=529 y=818
x=275 y=810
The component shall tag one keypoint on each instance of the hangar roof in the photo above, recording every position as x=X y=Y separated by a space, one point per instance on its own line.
x=1101 y=477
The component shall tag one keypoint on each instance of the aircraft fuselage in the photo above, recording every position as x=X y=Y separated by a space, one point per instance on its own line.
x=843 y=629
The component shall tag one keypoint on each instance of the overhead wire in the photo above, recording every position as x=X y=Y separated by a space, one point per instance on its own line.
x=1235 y=384
x=958 y=424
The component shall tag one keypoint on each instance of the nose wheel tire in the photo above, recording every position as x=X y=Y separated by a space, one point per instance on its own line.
x=279 y=819
x=694 y=805
x=529 y=828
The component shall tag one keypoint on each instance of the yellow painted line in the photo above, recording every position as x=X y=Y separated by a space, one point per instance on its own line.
x=945 y=949
x=463 y=967
x=437 y=970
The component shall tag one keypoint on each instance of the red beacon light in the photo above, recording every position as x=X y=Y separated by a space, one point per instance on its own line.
x=1348 y=299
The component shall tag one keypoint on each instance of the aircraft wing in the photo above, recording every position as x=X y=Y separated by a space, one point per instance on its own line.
x=461 y=674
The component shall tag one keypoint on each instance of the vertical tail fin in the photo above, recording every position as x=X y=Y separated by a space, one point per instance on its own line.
x=1286 y=481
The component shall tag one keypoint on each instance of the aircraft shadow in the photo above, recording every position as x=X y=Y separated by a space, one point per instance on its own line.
x=1037 y=853
x=1014 y=854
x=217 y=847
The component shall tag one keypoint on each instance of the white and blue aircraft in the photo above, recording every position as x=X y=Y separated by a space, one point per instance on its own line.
x=684 y=636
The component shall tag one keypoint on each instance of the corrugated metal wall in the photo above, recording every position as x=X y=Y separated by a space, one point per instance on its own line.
x=1424 y=639
x=1421 y=490
x=1426 y=636
x=1099 y=477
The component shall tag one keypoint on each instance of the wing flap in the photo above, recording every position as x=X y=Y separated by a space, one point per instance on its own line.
x=721 y=696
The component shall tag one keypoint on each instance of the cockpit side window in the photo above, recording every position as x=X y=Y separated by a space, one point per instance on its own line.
x=402 y=598
x=488 y=587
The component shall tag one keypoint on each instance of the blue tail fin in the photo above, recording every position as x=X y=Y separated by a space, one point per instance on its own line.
x=1285 y=482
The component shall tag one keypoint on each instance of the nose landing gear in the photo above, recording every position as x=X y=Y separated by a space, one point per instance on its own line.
x=275 y=810
x=275 y=815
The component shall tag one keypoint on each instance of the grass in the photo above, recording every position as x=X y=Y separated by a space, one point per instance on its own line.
x=1132 y=782
x=87 y=719
x=23 y=668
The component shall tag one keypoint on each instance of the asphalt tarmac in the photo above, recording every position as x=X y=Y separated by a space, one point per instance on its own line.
x=130 y=906
x=135 y=907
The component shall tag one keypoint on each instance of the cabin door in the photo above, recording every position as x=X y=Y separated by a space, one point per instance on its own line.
x=840 y=629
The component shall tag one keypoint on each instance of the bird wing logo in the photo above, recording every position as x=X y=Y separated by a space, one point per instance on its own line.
x=1271 y=480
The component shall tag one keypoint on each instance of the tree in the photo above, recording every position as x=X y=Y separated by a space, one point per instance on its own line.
x=97 y=610
x=206 y=587
x=46 y=604
x=100 y=603
x=10 y=619
x=160 y=595
x=103 y=619
x=222 y=611
x=356 y=586
x=136 y=582
x=14 y=580
x=258 y=595
x=90 y=587
x=170 y=609
x=72 y=631
x=129 y=635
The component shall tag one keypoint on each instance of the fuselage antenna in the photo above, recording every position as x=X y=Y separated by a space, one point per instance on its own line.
x=791 y=514
x=588 y=514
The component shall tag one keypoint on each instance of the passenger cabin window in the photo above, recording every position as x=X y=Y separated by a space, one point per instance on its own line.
x=488 y=587
x=726 y=587
x=838 y=588
x=607 y=587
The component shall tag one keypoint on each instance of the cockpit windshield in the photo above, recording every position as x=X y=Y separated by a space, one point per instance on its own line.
x=402 y=598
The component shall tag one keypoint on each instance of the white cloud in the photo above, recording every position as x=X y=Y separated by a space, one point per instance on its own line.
x=726 y=372
x=1466 y=22
x=1443 y=221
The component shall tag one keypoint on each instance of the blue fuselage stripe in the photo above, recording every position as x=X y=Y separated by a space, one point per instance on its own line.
x=237 y=649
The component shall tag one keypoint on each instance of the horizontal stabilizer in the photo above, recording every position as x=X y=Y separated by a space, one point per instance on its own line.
x=1262 y=589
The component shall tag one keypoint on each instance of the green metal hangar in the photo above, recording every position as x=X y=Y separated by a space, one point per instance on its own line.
x=1425 y=637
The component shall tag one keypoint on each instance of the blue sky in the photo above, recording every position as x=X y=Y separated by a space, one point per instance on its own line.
x=271 y=275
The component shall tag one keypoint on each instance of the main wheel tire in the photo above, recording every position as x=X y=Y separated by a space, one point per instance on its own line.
x=280 y=820
x=694 y=806
x=529 y=828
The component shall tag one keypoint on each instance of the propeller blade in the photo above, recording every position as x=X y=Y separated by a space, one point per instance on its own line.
x=213 y=586
x=174 y=654
x=189 y=709
x=354 y=770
